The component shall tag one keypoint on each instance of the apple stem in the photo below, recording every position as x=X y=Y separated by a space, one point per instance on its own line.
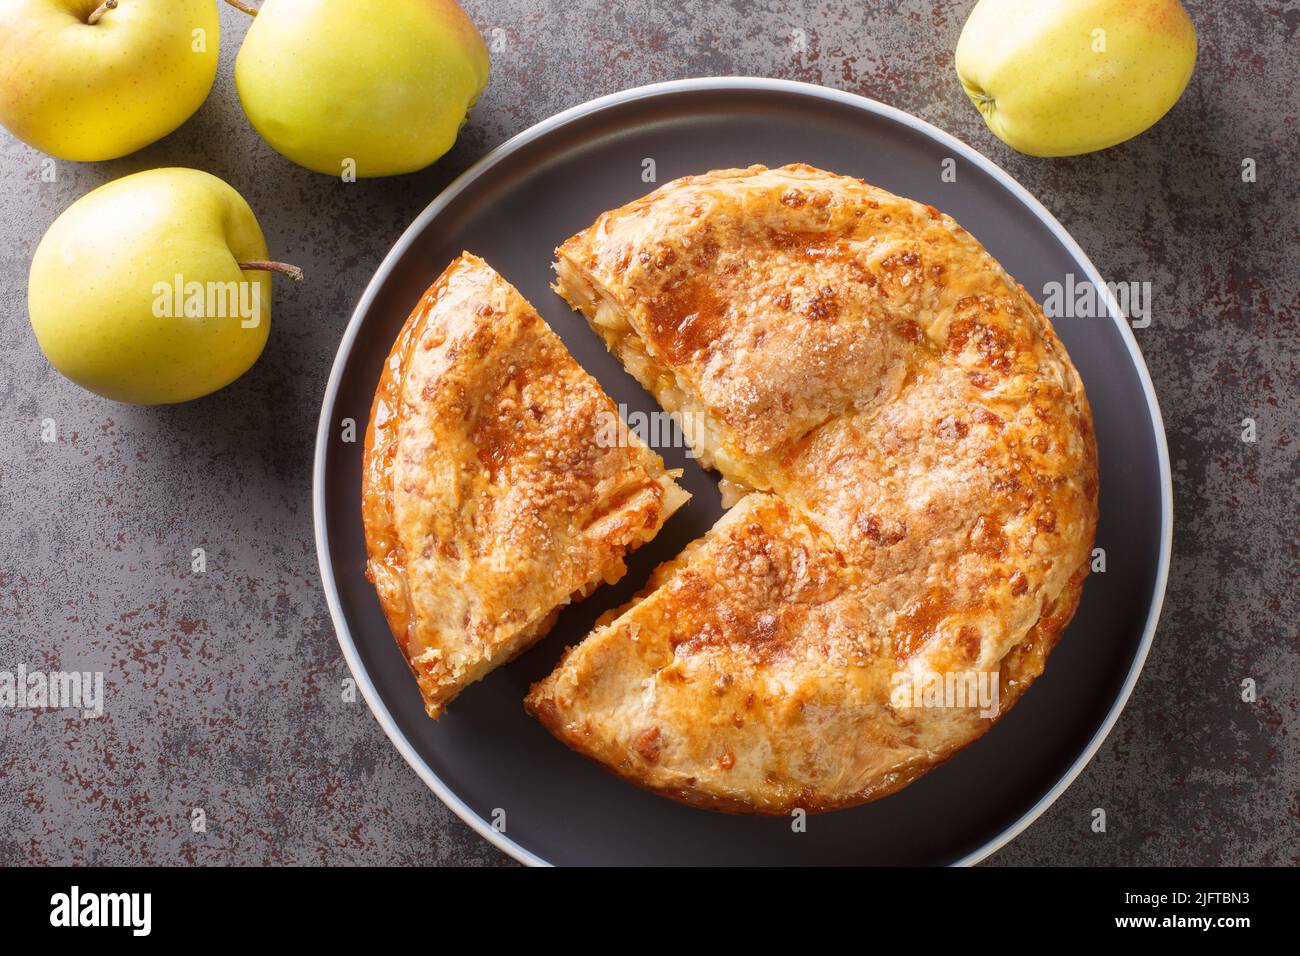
x=240 y=5
x=263 y=265
x=100 y=10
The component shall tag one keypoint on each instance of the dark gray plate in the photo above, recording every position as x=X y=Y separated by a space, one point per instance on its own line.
x=486 y=758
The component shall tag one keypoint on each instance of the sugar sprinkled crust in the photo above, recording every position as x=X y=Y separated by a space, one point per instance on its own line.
x=491 y=491
x=922 y=467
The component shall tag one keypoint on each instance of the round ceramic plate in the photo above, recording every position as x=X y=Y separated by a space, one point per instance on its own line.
x=487 y=759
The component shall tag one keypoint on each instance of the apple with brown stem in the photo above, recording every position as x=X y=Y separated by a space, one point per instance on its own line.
x=154 y=288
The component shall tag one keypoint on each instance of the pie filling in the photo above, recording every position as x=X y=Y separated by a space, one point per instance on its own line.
x=698 y=425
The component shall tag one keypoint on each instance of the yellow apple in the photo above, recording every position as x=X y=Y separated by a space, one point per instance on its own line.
x=1063 y=77
x=144 y=290
x=359 y=86
x=89 y=80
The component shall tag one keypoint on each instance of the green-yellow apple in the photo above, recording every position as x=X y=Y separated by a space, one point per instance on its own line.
x=362 y=87
x=1063 y=77
x=153 y=288
x=97 y=79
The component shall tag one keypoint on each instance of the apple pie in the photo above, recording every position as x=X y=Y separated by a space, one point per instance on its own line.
x=492 y=493
x=916 y=468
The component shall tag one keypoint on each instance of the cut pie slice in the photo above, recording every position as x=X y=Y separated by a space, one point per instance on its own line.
x=498 y=483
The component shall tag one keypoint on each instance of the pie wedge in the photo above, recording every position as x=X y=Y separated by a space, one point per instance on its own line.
x=496 y=485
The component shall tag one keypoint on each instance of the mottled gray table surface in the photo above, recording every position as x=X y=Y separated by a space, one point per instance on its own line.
x=223 y=687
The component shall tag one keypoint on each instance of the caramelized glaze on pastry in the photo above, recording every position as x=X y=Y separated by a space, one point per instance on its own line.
x=915 y=457
x=492 y=491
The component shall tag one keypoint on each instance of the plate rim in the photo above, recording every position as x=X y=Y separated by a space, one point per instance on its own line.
x=723 y=84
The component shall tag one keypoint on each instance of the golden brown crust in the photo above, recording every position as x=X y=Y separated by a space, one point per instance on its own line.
x=496 y=484
x=925 y=478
